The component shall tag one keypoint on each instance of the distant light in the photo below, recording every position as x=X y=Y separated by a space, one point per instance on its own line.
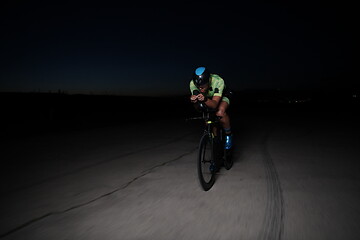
x=354 y=96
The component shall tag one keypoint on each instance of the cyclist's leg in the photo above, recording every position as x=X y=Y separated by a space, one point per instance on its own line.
x=225 y=120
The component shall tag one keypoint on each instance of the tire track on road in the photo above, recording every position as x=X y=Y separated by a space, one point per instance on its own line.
x=273 y=225
x=144 y=173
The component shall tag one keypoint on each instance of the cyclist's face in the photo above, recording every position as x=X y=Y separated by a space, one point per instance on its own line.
x=204 y=88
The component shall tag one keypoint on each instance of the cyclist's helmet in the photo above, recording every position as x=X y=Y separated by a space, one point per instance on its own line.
x=201 y=76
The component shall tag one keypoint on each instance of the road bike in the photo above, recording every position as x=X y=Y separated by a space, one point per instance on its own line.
x=211 y=155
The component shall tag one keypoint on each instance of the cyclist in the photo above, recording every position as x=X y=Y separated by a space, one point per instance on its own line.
x=210 y=89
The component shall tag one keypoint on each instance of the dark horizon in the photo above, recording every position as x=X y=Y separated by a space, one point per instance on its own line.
x=38 y=112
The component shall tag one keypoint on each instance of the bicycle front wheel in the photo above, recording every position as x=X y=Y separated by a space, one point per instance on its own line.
x=205 y=160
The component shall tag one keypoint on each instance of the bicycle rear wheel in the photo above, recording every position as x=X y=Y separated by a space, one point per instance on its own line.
x=226 y=154
x=228 y=160
x=205 y=159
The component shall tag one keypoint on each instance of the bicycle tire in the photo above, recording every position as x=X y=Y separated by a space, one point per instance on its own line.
x=228 y=160
x=205 y=159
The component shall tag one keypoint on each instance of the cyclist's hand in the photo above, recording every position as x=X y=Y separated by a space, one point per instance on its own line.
x=201 y=97
x=193 y=98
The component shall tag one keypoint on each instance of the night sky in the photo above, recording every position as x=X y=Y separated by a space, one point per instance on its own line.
x=153 y=48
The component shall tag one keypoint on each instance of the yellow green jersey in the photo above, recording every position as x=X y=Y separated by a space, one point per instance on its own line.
x=216 y=88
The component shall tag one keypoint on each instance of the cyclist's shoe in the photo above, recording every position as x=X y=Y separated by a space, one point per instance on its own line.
x=228 y=141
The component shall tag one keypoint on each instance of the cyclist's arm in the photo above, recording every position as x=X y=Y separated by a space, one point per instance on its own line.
x=214 y=102
x=218 y=89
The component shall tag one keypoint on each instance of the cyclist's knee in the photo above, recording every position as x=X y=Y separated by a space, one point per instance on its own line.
x=221 y=113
